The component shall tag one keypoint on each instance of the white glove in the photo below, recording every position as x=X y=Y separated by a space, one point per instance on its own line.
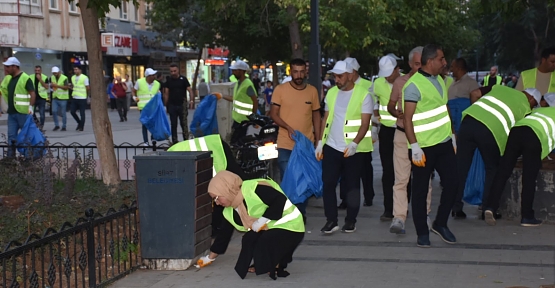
x=374 y=134
x=418 y=157
x=204 y=261
x=31 y=109
x=318 y=151
x=454 y=140
x=376 y=119
x=350 y=150
x=135 y=98
x=260 y=224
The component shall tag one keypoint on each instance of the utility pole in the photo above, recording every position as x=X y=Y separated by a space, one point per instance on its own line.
x=315 y=72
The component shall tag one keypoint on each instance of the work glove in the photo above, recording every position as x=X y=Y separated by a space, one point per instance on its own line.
x=318 y=151
x=376 y=119
x=350 y=150
x=204 y=261
x=31 y=109
x=135 y=98
x=374 y=134
x=454 y=140
x=260 y=224
x=418 y=157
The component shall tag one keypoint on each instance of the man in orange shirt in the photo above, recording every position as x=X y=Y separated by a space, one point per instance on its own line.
x=295 y=106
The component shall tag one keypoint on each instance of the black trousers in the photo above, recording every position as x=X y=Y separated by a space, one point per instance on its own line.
x=522 y=142
x=80 y=104
x=386 y=136
x=178 y=112
x=121 y=104
x=473 y=135
x=335 y=166
x=441 y=158
x=367 y=177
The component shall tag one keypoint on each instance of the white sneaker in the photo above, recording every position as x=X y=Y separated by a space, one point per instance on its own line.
x=429 y=221
x=397 y=226
x=144 y=144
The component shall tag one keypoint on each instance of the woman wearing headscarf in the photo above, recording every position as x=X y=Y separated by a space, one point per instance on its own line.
x=274 y=226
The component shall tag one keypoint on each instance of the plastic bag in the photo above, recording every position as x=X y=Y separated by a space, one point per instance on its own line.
x=456 y=107
x=153 y=116
x=31 y=136
x=205 y=121
x=303 y=175
x=474 y=189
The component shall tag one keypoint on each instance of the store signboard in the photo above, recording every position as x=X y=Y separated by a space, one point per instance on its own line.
x=9 y=31
x=117 y=44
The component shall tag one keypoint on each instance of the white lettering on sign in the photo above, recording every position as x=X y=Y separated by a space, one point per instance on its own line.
x=122 y=41
x=117 y=44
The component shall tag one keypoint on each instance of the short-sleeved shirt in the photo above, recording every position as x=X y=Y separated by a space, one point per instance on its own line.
x=336 y=138
x=268 y=92
x=177 y=89
x=397 y=95
x=11 y=92
x=296 y=107
x=462 y=87
x=542 y=82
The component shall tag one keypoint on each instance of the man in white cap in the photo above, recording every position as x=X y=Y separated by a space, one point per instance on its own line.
x=533 y=138
x=485 y=126
x=145 y=89
x=20 y=97
x=346 y=137
x=80 y=87
x=60 y=97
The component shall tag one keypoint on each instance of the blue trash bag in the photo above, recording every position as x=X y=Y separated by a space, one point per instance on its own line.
x=153 y=116
x=457 y=106
x=303 y=175
x=29 y=137
x=205 y=121
x=474 y=188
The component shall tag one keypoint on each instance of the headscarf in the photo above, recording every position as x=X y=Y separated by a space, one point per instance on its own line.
x=228 y=185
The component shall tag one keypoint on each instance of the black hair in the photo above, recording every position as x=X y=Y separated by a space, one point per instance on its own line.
x=297 y=62
x=461 y=63
x=38 y=66
x=547 y=52
x=429 y=52
x=78 y=66
x=174 y=65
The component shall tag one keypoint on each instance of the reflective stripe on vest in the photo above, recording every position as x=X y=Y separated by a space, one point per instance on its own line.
x=382 y=89
x=42 y=92
x=242 y=102
x=79 y=88
x=58 y=92
x=529 y=80
x=207 y=143
x=144 y=93
x=542 y=122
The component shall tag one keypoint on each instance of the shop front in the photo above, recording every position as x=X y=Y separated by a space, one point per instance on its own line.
x=121 y=57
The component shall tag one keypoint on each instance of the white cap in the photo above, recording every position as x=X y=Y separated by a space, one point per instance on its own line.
x=55 y=69
x=353 y=63
x=550 y=99
x=150 y=72
x=340 y=68
x=239 y=65
x=534 y=93
x=12 y=61
x=387 y=65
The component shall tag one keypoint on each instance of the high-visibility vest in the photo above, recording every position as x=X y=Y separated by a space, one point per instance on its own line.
x=448 y=82
x=353 y=118
x=542 y=121
x=4 y=85
x=42 y=92
x=499 y=110
x=529 y=80
x=242 y=103
x=144 y=94
x=498 y=81
x=291 y=218
x=59 y=93
x=79 y=88
x=207 y=143
x=22 y=98
x=382 y=90
x=432 y=124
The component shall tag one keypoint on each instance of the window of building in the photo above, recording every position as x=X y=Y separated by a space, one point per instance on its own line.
x=73 y=6
x=148 y=8
x=123 y=9
x=54 y=4
x=136 y=6
x=33 y=2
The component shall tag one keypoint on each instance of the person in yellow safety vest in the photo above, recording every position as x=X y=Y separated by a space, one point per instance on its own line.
x=60 y=96
x=20 y=97
x=448 y=80
x=273 y=226
x=80 y=87
x=542 y=77
x=485 y=126
x=145 y=89
x=432 y=143
x=345 y=139
x=533 y=138
x=41 y=85
x=492 y=78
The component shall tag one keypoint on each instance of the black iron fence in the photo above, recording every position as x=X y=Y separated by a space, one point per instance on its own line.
x=60 y=156
x=94 y=252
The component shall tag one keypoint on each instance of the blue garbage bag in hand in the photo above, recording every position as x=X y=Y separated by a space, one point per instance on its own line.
x=474 y=188
x=303 y=175
x=205 y=121
x=153 y=116
x=28 y=138
x=456 y=107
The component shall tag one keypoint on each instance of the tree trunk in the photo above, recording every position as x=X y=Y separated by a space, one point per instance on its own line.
x=294 y=33
x=101 y=123
x=195 y=77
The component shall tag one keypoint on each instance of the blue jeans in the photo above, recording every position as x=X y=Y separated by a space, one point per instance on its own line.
x=15 y=123
x=41 y=104
x=283 y=161
x=81 y=105
x=59 y=106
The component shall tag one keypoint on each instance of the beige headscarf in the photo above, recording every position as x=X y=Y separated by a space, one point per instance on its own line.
x=228 y=185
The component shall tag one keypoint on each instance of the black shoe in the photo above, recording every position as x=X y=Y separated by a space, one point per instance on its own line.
x=77 y=129
x=444 y=233
x=64 y=129
x=530 y=222
x=458 y=214
x=56 y=128
x=343 y=205
x=348 y=227
x=125 y=118
x=386 y=217
x=367 y=203
x=121 y=120
x=423 y=241
x=80 y=129
x=330 y=227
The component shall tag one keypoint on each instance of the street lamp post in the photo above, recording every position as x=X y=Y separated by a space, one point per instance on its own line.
x=315 y=73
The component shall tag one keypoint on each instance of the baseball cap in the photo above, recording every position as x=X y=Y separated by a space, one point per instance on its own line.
x=239 y=65
x=534 y=93
x=340 y=68
x=353 y=63
x=387 y=65
x=55 y=69
x=12 y=61
x=150 y=72
x=550 y=99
